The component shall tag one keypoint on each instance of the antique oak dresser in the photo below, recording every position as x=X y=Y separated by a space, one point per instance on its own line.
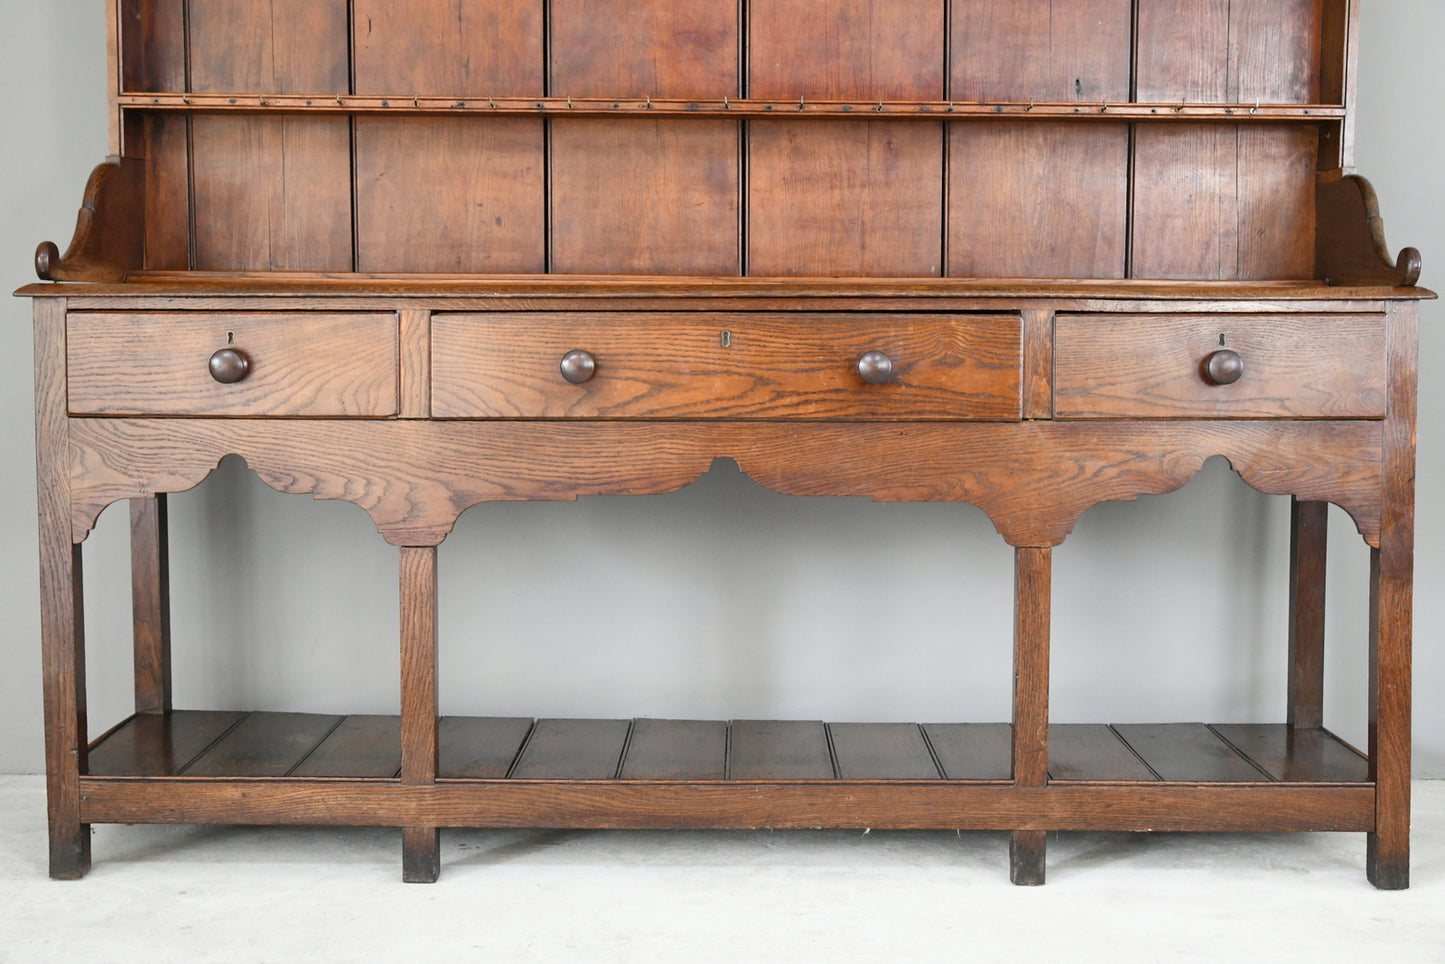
x=1029 y=255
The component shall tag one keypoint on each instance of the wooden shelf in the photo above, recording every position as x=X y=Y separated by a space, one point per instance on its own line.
x=722 y=106
x=235 y=745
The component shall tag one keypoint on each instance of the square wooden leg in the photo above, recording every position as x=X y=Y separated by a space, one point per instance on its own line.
x=421 y=855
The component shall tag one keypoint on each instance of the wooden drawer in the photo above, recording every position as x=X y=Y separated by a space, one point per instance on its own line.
x=762 y=366
x=301 y=364
x=1156 y=366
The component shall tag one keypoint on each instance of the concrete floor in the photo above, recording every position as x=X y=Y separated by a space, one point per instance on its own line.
x=282 y=894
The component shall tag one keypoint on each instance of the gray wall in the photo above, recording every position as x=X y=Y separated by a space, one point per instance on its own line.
x=723 y=599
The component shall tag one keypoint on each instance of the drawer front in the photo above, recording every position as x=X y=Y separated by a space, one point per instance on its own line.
x=1159 y=366
x=736 y=366
x=299 y=364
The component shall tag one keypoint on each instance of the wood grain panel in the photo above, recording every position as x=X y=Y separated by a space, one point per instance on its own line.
x=779 y=750
x=450 y=194
x=1093 y=752
x=1297 y=366
x=573 y=750
x=362 y=747
x=264 y=745
x=676 y=750
x=272 y=193
x=1186 y=207
x=632 y=48
x=480 y=748
x=158 y=364
x=1293 y=755
x=849 y=199
x=153 y=45
x=882 y=751
x=645 y=197
x=1037 y=200
x=1040 y=50
x=505 y=365
x=268 y=46
x=154 y=744
x=1276 y=197
x=455 y=48
x=972 y=751
x=1188 y=753
x=168 y=192
x=846 y=50
x=1234 y=51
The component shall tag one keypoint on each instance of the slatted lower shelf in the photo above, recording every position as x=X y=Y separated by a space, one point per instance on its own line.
x=305 y=746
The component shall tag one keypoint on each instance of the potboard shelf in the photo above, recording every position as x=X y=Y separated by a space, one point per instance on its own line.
x=307 y=746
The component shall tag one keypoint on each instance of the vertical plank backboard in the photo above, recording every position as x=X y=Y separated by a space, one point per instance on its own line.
x=1274 y=51
x=1044 y=50
x=153 y=42
x=272 y=193
x=168 y=189
x=1037 y=200
x=845 y=198
x=844 y=50
x=636 y=196
x=631 y=48
x=1181 y=51
x=454 y=48
x=1276 y=201
x=1185 y=214
x=269 y=46
x=449 y=194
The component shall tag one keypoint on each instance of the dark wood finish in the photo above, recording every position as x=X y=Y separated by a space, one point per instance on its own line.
x=1037 y=200
x=573 y=750
x=1309 y=539
x=779 y=750
x=1094 y=753
x=616 y=805
x=659 y=48
x=424 y=255
x=264 y=745
x=1188 y=753
x=882 y=751
x=150 y=579
x=972 y=751
x=361 y=747
x=1154 y=367
x=159 y=364
x=479 y=748
x=159 y=744
x=676 y=750
x=412 y=176
x=1295 y=754
x=754 y=365
x=855 y=198
x=1040 y=50
x=448 y=48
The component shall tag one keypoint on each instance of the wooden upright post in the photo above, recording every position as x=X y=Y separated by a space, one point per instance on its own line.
x=1309 y=527
x=1032 y=590
x=421 y=846
x=151 y=604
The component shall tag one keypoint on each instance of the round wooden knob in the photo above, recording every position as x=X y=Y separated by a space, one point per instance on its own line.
x=875 y=368
x=577 y=366
x=1224 y=367
x=229 y=366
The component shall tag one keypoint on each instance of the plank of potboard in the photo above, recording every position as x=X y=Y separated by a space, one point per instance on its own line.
x=264 y=745
x=882 y=751
x=153 y=744
x=779 y=750
x=972 y=751
x=1092 y=752
x=480 y=748
x=676 y=750
x=572 y=750
x=1188 y=753
x=362 y=746
x=1297 y=756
